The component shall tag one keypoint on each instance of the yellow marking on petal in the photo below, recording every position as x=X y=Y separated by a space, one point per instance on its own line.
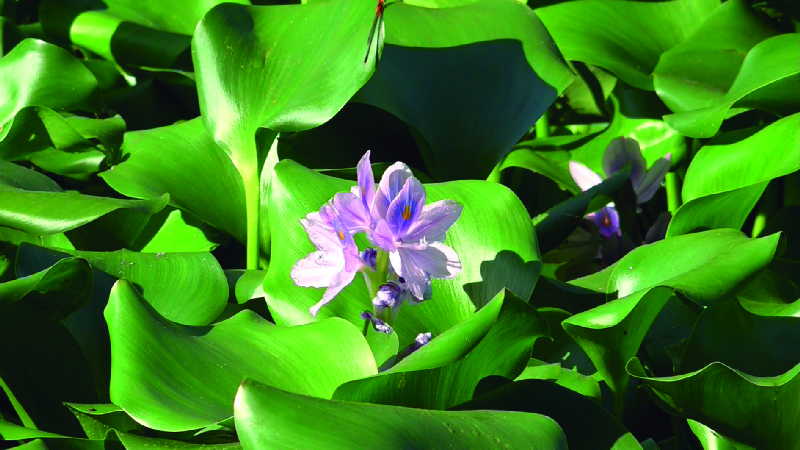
x=407 y=212
x=341 y=235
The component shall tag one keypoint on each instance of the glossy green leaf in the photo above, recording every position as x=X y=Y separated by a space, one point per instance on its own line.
x=43 y=363
x=36 y=73
x=183 y=161
x=173 y=377
x=755 y=344
x=571 y=379
x=161 y=15
x=188 y=288
x=270 y=418
x=175 y=235
x=769 y=74
x=37 y=129
x=608 y=34
x=758 y=411
x=20 y=177
x=13 y=432
x=109 y=35
x=720 y=168
x=483 y=230
x=724 y=182
x=611 y=334
x=38 y=212
x=265 y=83
x=594 y=427
x=502 y=44
x=710 y=439
x=703 y=265
x=503 y=351
x=700 y=70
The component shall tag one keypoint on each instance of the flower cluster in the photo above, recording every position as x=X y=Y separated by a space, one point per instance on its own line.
x=407 y=235
x=619 y=154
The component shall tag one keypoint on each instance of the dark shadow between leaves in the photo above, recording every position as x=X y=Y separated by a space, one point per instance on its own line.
x=506 y=271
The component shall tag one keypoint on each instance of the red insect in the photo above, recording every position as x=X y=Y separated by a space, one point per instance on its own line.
x=377 y=26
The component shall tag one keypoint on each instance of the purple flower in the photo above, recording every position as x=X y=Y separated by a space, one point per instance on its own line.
x=397 y=221
x=623 y=151
x=336 y=260
x=377 y=324
x=607 y=218
x=619 y=154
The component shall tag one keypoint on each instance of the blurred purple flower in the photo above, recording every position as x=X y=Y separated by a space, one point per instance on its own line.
x=619 y=154
x=606 y=218
x=623 y=151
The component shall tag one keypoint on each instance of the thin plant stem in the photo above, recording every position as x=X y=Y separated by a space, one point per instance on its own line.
x=543 y=127
x=672 y=186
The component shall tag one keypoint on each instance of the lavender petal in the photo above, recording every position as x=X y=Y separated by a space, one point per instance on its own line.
x=434 y=221
x=366 y=181
x=390 y=185
x=406 y=206
x=584 y=177
x=651 y=181
x=621 y=152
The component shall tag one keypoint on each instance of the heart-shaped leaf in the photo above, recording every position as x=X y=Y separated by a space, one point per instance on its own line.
x=268 y=418
x=757 y=411
x=703 y=265
x=503 y=351
x=700 y=70
x=35 y=73
x=770 y=73
x=724 y=182
x=502 y=44
x=608 y=34
x=173 y=377
x=183 y=161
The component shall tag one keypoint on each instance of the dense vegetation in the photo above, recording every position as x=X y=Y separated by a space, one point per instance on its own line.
x=412 y=224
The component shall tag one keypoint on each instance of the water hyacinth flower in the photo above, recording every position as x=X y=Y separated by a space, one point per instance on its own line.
x=619 y=154
x=335 y=262
x=404 y=230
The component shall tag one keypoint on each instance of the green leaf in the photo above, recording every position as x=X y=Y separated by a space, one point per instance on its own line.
x=38 y=129
x=270 y=418
x=703 y=265
x=13 y=432
x=110 y=36
x=758 y=411
x=720 y=168
x=160 y=14
x=16 y=176
x=571 y=379
x=758 y=345
x=608 y=34
x=174 y=378
x=611 y=333
x=174 y=235
x=724 y=182
x=516 y=73
x=700 y=70
x=593 y=428
x=45 y=365
x=503 y=351
x=265 y=83
x=710 y=439
x=188 y=288
x=35 y=73
x=766 y=80
x=483 y=230
x=183 y=161
x=39 y=213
